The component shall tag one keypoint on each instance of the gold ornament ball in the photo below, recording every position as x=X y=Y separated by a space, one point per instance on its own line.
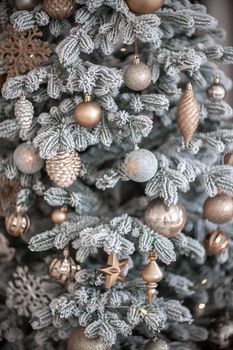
x=59 y=216
x=137 y=76
x=228 y=158
x=63 y=268
x=216 y=242
x=60 y=9
x=219 y=209
x=157 y=344
x=27 y=159
x=17 y=223
x=25 y=5
x=216 y=92
x=168 y=221
x=88 y=113
x=78 y=341
x=143 y=7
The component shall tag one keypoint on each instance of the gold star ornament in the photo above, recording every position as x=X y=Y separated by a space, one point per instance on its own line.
x=114 y=271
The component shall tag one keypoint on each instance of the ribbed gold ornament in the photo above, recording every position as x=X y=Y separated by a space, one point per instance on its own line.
x=17 y=223
x=60 y=9
x=64 y=168
x=78 y=341
x=152 y=275
x=188 y=114
x=219 y=209
x=63 y=268
x=216 y=242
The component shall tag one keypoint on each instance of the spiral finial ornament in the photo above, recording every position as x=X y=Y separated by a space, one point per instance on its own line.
x=188 y=114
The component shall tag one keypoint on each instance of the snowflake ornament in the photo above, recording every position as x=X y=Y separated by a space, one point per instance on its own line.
x=22 y=52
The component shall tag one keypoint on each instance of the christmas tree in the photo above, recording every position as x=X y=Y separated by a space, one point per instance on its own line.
x=116 y=176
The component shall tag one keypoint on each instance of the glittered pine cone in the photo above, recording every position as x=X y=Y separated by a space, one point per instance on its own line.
x=59 y=9
x=8 y=194
x=24 y=112
x=64 y=168
x=188 y=114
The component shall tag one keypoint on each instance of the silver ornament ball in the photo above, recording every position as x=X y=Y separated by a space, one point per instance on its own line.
x=216 y=92
x=137 y=76
x=27 y=159
x=140 y=165
x=165 y=220
x=25 y=5
x=78 y=341
x=157 y=344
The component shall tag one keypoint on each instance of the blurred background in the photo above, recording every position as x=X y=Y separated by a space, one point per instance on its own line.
x=223 y=10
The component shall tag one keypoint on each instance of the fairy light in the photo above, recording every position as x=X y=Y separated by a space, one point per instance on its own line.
x=204 y=281
x=201 y=306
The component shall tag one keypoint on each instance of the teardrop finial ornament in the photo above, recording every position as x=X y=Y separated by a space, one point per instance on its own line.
x=188 y=114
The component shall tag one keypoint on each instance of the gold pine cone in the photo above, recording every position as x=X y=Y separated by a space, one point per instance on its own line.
x=188 y=114
x=64 y=168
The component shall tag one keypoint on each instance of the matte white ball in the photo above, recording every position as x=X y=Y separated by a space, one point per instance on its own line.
x=27 y=159
x=140 y=165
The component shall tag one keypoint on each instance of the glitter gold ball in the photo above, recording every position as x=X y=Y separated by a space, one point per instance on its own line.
x=228 y=158
x=60 y=9
x=219 y=209
x=17 y=224
x=143 y=7
x=216 y=92
x=157 y=344
x=216 y=242
x=59 y=216
x=137 y=76
x=78 y=341
x=26 y=5
x=165 y=220
x=88 y=114
x=140 y=165
x=27 y=159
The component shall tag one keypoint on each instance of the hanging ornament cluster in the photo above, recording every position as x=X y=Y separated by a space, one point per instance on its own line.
x=64 y=168
x=137 y=75
x=60 y=9
x=22 y=52
x=24 y=112
x=216 y=242
x=140 y=165
x=88 y=113
x=188 y=115
x=219 y=209
x=25 y=5
x=114 y=272
x=27 y=159
x=168 y=221
x=59 y=216
x=157 y=344
x=143 y=7
x=216 y=92
x=8 y=194
x=63 y=268
x=152 y=274
x=17 y=223
x=78 y=341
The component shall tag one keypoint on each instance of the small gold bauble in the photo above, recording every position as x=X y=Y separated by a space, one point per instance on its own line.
x=17 y=223
x=63 y=268
x=157 y=344
x=137 y=76
x=25 y=5
x=88 y=113
x=216 y=92
x=165 y=220
x=143 y=7
x=219 y=209
x=27 y=159
x=216 y=242
x=59 y=216
x=78 y=341
x=228 y=158
x=60 y=9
